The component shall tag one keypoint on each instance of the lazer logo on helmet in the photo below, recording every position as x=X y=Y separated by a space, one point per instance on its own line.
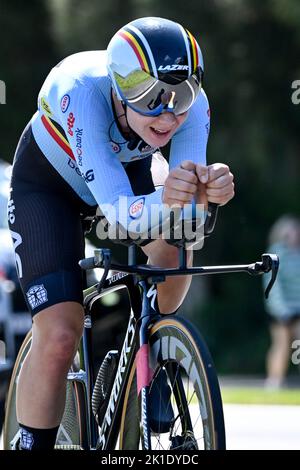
x=172 y=68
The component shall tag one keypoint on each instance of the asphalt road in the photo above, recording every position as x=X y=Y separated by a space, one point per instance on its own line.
x=258 y=427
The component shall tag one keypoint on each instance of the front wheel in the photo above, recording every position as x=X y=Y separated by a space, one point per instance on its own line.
x=185 y=402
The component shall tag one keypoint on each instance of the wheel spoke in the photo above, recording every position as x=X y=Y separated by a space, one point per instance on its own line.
x=180 y=353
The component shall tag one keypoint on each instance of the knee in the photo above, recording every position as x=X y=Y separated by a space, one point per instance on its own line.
x=57 y=350
x=65 y=343
x=161 y=253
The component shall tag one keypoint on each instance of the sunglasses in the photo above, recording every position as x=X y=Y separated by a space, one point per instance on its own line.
x=149 y=96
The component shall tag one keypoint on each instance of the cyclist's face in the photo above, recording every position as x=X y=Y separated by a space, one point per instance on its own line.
x=155 y=131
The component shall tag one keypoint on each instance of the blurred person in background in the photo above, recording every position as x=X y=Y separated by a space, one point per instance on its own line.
x=283 y=305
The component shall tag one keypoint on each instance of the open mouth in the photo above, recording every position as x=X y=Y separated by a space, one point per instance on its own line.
x=160 y=132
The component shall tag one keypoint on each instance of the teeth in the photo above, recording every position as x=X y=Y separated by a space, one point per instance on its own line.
x=160 y=131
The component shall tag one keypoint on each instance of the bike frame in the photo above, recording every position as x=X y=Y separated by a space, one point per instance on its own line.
x=140 y=282
x=136 y=335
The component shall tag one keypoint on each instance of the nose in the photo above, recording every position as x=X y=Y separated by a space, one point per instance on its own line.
x=167 y=118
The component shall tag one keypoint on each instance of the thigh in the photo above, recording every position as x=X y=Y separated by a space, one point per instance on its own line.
x=48 y=242
x=60 y=323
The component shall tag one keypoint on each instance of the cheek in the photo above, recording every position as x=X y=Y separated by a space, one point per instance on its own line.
x=137 y=122
x=181 y=118
x=145 y=127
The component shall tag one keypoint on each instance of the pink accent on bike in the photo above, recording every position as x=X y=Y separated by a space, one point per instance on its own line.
x=143 y=372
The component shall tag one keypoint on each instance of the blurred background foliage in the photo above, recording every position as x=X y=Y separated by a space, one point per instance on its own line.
x=251 y=51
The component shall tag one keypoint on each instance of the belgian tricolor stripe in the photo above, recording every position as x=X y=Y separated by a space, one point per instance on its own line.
x=194 y=51
x=140 y=51
x=57 y=135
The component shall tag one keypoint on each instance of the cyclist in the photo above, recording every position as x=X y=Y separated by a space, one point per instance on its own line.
x=102 y=117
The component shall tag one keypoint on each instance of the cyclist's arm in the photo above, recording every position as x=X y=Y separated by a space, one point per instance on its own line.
x=109 y=181
x=190 y=141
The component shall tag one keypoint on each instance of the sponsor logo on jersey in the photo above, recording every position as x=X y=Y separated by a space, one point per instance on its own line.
x=64 y=103
x=88 y=176
x=115 y=147
x=17 y=241
x=171 y=68
x=70 y=124
x=45 y=106
x=37 y=295
x=79 y=133
x=136 y=208
x=16 y=237
x=11 y=211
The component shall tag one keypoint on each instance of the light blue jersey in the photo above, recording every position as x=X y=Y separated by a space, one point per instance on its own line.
x=76 y=129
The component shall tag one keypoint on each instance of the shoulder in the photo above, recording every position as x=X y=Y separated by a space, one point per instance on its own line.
x=79 y=77
x=199 y=113
x=201 y=105
x=78 y=71
x=84 y=64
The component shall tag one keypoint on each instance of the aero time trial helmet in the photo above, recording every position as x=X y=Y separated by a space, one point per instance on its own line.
x=155 y=65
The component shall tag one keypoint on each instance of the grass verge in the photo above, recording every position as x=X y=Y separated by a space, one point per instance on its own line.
x=260 y=396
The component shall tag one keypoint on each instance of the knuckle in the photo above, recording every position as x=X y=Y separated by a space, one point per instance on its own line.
x=186 y=197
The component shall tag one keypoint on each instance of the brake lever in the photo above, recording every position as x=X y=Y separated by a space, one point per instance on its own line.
x=271 y=262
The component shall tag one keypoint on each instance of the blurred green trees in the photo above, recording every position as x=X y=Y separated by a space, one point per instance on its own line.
x=27 y=52
x=251 y=51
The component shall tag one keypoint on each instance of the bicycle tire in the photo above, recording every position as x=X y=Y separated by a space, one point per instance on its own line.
x=11 y=427
x=174 y=340
x=71 y=433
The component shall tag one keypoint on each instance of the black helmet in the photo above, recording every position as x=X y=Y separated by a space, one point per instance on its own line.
x=155 y=65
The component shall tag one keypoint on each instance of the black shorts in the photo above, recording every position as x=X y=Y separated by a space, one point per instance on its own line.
x=45 y=218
